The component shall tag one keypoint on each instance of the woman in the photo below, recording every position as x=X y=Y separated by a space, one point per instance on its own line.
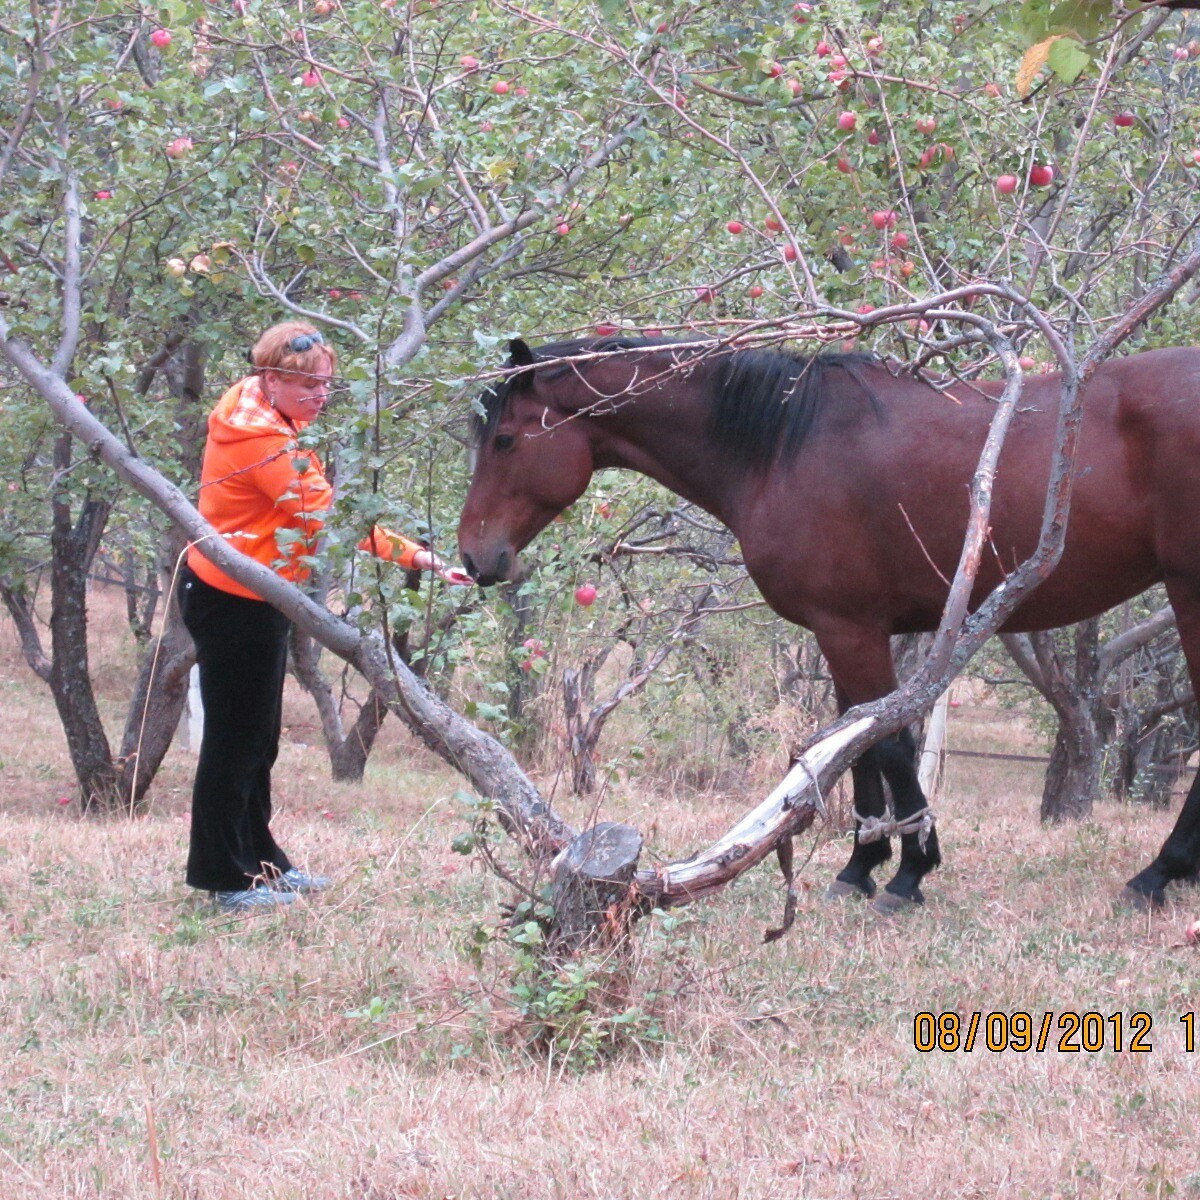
x=256 y=483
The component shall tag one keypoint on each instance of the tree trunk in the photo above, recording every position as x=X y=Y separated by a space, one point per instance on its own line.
x=159 y=695
x=591 y=890
x=348 y=752
x=1073 y=776
x=72 y=549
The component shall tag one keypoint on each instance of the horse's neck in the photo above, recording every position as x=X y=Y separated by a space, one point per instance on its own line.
x=668 y=440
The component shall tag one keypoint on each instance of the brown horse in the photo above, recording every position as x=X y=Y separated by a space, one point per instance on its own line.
x=846 y=484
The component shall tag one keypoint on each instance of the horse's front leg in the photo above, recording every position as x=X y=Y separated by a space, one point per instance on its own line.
x=860 y=661
x=869 y=801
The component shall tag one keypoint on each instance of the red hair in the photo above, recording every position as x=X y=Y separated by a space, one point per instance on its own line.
x=273 y=350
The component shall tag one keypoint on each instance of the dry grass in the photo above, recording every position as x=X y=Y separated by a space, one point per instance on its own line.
x=148 y=1051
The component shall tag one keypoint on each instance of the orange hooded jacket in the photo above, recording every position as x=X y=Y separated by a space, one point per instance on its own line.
x=257 y=480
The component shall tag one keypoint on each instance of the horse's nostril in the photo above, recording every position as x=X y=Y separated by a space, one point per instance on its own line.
x=502 y=564
x=469 y=563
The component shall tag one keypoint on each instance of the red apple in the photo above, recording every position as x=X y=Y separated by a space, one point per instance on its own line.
x=991 y=89
x=354 y=295
x=838 y=61
x=823 y=49
x=874 y=46
x=161 y=38
x=469 y=62
x=755 y=291
x=873 y=138
x=1026 y=363
x=775 y=70
x=790 y=253
x=335 y=293
x=605 y=329
x=651 y=332
x=522 y=91
x=1180 y=52
x=1123 y=120
x=343 y=122
x=1041 y=176
x=884 y=218
x=585 y=595
x=563 y=229
x=311 y=77
x=926 y=125
x=843 y=165
x=863 y=309
x=795 y=87
x=323 y=7
x=179 y=147
x=773 y=225
x=1006 y=184
x=847 y=121
x=735 y=227
x=102 y=194
x=500 y=87
x=705 y=295
x=900 y=240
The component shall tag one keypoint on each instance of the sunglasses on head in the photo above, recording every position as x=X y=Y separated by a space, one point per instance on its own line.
x=305 y=341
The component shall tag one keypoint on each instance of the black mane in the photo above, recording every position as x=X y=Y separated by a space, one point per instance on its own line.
x=763 y=402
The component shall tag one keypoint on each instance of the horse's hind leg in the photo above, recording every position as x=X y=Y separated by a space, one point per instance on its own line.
x=1179 y=857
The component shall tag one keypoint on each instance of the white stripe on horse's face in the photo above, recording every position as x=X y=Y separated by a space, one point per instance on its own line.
x=472 y=459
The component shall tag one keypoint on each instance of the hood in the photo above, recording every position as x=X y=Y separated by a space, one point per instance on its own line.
x=243 y=412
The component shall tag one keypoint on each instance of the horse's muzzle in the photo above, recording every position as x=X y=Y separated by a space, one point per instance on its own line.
x=484 y=577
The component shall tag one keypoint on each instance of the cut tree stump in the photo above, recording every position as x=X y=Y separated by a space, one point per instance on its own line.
x=591 y=889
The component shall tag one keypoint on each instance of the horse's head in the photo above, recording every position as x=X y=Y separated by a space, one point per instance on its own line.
x=532 y=459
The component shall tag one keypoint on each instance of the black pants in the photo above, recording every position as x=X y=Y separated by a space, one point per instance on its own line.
x=241 y=646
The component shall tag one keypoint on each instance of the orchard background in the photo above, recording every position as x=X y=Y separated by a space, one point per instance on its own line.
x=425 y=181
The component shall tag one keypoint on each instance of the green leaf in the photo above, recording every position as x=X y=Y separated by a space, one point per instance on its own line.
x=1067 y=59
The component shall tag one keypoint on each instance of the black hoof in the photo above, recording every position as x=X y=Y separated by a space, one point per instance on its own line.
x=840 y=889
x=1139 y=901
x=890 y=904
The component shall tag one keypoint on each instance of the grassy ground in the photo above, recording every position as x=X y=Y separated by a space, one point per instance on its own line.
x=352 y=1047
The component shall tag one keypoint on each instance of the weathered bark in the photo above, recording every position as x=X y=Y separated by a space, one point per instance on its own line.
x=1072 y=780
x=73 y=546
x=141 y=596
x=20 y=607
x=1080 y=696
x=590 y=890
x=159 y=697
x=348 y=752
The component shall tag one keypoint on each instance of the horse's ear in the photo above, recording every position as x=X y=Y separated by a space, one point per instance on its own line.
x=520 y=355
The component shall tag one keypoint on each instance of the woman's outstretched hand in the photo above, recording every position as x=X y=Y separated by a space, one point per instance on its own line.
x=455 y=576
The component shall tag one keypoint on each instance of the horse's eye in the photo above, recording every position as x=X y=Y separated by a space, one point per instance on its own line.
x=504 y=441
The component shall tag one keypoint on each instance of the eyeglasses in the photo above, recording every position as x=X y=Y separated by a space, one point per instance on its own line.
x=305 y=341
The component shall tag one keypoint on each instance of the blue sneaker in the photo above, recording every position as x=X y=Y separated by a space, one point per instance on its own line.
x=297 y=882
x=250 y=899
